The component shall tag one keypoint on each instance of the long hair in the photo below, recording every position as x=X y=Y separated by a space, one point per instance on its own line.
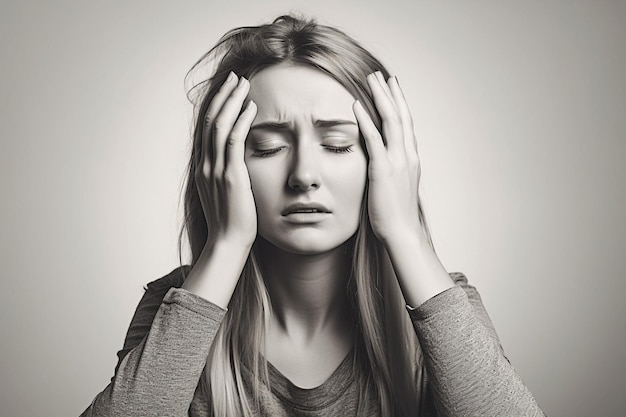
x=386 y=351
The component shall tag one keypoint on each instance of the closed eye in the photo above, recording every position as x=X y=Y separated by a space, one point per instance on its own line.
x=334 y=149
x=268 y=152
x=339 y=149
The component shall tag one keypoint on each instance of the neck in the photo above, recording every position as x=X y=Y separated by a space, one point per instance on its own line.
x=308 y=292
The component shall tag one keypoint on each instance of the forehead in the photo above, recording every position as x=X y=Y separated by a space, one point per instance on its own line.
x=293 y=92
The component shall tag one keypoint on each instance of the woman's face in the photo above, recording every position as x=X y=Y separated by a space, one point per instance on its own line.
x=307 y=167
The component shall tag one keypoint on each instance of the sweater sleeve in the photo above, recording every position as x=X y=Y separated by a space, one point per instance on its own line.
x=163 y=357
x=469 y=374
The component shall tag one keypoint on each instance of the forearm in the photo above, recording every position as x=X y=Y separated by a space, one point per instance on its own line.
x=216 y=273
x=468 y=372
x=420 y=273
x=159 y=376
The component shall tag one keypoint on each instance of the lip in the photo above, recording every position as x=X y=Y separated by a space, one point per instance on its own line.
x=300 y=208
x=305 y=218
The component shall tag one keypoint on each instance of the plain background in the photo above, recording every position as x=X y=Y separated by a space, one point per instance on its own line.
x=520 y=110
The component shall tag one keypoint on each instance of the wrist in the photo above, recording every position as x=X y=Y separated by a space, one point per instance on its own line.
x=408 y=236
x=418 y=268
x=236 y=249
x=215 y=274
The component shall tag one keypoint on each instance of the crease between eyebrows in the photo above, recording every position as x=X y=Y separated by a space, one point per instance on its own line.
x=321 y=123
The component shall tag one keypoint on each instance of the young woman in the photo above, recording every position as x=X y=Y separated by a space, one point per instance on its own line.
x=313 y=288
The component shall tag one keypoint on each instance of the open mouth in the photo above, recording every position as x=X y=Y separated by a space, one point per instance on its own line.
x=305 y=208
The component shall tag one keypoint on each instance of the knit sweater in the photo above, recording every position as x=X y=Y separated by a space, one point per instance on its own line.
x=172 y=330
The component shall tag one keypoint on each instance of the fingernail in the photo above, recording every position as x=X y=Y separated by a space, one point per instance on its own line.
x=231 y=77
x=250 y=105
x=242 y=81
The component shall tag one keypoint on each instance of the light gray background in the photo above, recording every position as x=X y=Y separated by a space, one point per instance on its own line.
x=520 y=111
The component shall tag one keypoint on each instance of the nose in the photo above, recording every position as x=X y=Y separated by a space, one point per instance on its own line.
x=304 y=173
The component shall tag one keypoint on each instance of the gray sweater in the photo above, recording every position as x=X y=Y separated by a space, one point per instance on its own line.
x=172 y=330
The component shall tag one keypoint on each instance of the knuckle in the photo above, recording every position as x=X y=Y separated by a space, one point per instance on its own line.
x=231 y=141
x=219 y=125
x=230 y=178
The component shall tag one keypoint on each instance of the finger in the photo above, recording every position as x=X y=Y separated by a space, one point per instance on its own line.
x=373 y=140
x=209 y=117
x=383 y=84
x=391 y=123
x=405 y=114
x=224 y=123
x=235 y=145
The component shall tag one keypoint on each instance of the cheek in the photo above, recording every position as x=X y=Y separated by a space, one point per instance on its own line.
x=351 y=183
x=265 y=186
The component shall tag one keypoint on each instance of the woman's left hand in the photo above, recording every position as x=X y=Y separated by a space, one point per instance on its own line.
x=394 y=168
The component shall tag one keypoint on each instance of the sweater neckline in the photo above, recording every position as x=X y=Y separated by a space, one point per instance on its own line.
x=318 y=397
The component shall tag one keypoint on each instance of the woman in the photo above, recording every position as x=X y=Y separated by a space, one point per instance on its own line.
x=313 y=287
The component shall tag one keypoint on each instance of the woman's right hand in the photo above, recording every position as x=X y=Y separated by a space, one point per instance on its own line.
x=221 y=174
x=225 y=194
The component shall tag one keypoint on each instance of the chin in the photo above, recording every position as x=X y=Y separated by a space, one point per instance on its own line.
x=304 y=246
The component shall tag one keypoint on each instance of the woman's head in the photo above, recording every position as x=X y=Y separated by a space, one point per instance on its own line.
x=288 y=42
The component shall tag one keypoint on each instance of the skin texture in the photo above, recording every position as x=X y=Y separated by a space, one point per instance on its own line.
x=304 y=158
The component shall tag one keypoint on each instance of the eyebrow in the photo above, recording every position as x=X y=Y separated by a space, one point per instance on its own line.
x=317 y=123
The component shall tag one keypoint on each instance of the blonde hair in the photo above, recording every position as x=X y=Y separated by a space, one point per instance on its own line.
x=386 y=349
